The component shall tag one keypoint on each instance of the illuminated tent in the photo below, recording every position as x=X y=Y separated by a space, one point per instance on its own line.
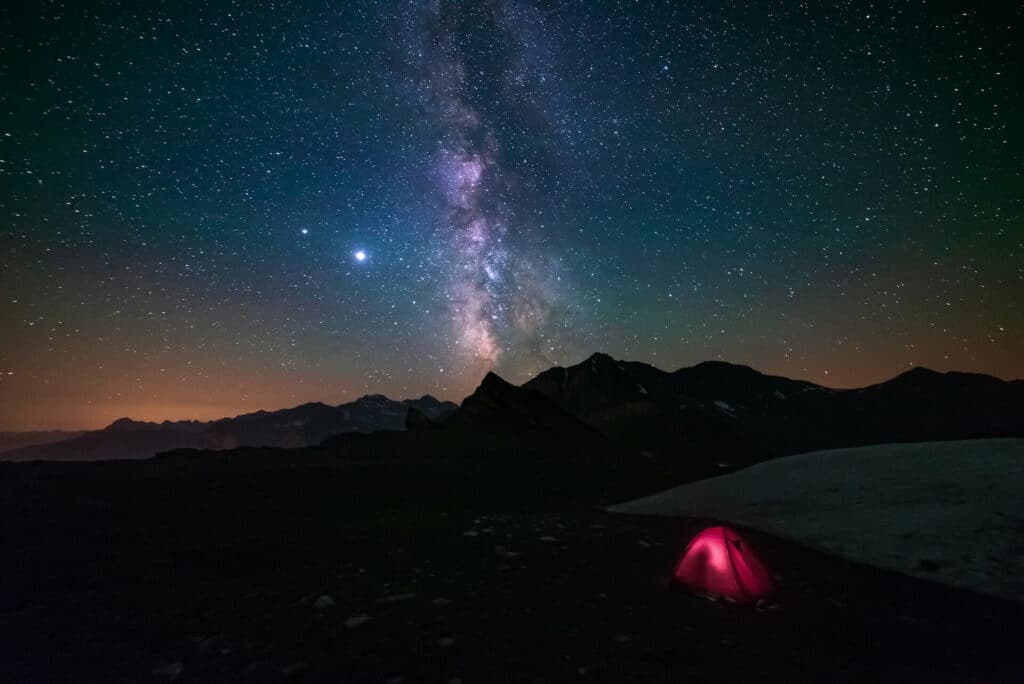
x=717 y=562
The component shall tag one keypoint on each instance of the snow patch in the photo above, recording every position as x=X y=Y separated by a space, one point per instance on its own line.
x=950 y=512
x=323 y=602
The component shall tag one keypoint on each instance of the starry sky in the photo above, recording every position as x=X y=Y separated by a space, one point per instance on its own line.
x=213 y=207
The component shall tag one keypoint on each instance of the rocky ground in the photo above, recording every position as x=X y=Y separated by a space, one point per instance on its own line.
x=433 y=571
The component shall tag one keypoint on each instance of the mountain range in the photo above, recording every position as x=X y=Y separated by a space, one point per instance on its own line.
x=722 y=414
x=736 y=412
x=304 y=425
x=17 y=440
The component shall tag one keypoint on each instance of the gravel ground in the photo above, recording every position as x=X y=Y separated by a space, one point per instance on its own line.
x=434 y=572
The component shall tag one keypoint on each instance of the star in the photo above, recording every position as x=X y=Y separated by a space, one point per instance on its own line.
x=360 y=255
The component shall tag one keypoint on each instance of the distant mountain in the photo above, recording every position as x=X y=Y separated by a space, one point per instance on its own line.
x=739 y=415
x=304 y=425
x=17 y=440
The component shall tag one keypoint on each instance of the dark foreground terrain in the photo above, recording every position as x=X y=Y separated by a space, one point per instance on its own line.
x=498 y=568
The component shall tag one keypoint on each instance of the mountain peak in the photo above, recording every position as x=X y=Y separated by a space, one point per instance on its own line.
x=499 y=403
x=919 y=372
x=601 y=361
x=920 y=376
x=492 y=379
x=372 y=398
x=122 y=424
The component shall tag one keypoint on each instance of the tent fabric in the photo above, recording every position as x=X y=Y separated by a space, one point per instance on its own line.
x=719 y=562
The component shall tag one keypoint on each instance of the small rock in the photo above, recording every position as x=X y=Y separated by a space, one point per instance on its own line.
x=441 y=602
x=582 y=671
x=357 y=621
x=643 y=544
x=446 y=642
x=169 y=672
x=548 y=538
x=622 y=638
x=394 y=680
x=206 y=645
x=289 y=670
x=323 y=602
x=396 y=598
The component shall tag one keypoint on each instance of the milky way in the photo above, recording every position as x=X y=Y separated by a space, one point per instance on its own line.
x=498 y=299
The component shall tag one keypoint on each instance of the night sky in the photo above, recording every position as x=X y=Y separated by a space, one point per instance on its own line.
x=213 y=207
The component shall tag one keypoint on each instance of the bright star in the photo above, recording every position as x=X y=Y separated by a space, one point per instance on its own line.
x=360 y=255
x=304 y=231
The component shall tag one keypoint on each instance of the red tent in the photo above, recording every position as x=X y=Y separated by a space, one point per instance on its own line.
x=719 y=563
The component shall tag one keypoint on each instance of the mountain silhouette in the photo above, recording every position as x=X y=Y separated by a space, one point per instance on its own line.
x=497 y=403
x=715 y=414
x=304 y=425
x=17 y=440
x=735 y=409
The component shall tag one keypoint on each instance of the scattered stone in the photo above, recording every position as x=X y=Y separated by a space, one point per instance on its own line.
x=446 y=642
x=169 y=672
x=356 y=621
x=470 y=533
x=643 y=544
x=582 y=670
x=396 y=598
x=323 y=602
x=548 y=538
x=622 y=638
x=205 y=645
x=289 y=670
x=441 y=602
